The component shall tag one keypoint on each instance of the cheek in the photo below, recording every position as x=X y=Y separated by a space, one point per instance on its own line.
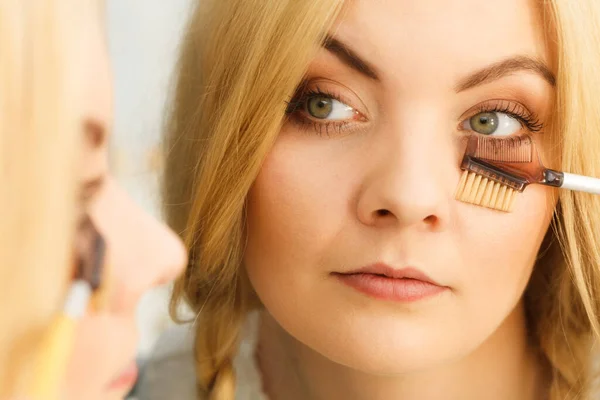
x=500 y=250
x=295 y=210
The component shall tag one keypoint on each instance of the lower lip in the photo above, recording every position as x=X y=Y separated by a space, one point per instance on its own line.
x=392 y=289
x=127 y=378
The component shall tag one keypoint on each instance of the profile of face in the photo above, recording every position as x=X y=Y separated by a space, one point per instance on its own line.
x=140 y=252
x=364 y=173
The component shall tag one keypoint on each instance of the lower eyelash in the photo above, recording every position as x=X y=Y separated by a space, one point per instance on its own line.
x=321 y=128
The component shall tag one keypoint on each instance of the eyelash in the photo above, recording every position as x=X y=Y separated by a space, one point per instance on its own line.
x=514 y=110
x=529 y=119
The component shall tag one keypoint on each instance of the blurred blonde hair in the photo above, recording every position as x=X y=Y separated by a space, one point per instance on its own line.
x=239 y=64
x=37 y=192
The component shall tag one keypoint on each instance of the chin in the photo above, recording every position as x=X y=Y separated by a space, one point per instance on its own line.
x=386 y=345
x=386 y=352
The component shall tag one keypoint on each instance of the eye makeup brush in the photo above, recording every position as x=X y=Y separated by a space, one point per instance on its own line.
x=57 y=343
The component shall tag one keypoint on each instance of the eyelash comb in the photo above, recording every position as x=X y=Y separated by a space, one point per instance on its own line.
x=495 y=170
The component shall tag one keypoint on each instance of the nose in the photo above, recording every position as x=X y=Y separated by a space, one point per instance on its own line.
x=408 y=181
x=168 y=255
x=164 y=253
x=143 y=253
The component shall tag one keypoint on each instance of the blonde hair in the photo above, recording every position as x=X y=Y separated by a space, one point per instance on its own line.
x=240 y=62
x=37 y=150
x=563 y=297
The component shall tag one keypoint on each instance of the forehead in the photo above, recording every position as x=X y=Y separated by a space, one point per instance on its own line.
x=441 y=39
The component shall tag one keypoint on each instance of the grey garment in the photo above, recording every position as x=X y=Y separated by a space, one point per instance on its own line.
x=169 y=374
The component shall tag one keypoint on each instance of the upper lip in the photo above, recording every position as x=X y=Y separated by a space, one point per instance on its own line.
x=390 y=272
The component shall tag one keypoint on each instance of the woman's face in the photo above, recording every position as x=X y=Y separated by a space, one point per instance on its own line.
x=365 y=170
x=141 y=253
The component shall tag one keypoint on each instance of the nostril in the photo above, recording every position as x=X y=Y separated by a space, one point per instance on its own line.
x=431 y=220
x=383 y=213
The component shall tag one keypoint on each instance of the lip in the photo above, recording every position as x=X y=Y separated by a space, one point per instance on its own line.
x=383 y=282
x=126 y=379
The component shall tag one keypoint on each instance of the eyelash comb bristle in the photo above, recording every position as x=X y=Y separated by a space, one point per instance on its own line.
x=485 y=184
x=510 y=149
x=480 y=190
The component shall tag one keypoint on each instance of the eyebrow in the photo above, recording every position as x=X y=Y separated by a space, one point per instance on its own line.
x=349 y=57
x=486 y=75
x=503 y=68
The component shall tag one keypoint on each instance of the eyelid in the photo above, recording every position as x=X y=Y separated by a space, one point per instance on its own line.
x=496 y=103
x=329 y=86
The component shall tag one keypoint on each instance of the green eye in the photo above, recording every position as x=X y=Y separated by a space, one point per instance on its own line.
x=319 y=107
x=485 y=123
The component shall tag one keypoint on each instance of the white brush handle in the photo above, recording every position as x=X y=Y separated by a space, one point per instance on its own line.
x=77 y=299
x=581 y=183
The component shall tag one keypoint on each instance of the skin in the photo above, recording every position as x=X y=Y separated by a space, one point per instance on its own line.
x=141 y=252
x=321 y=206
